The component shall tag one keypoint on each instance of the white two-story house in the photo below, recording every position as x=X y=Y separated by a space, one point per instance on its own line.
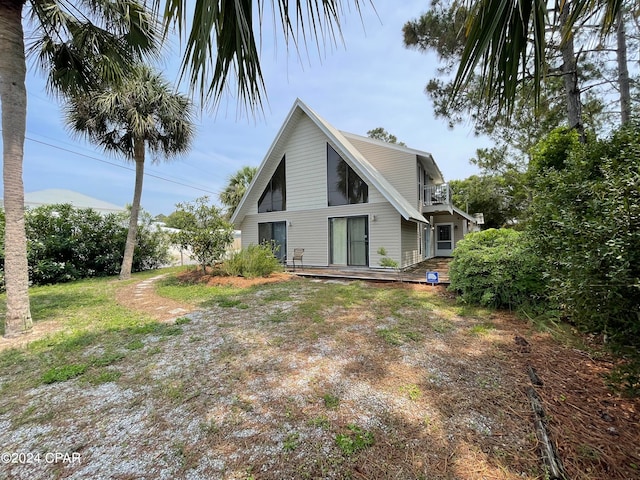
x=342 y=197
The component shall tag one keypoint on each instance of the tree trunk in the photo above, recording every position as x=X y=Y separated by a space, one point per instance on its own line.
x=570 y=75
x=13 y=96
x=623 y=71
x=130 y=245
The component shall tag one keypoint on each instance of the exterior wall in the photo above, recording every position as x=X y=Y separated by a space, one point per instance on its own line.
x=309 y=229
x=307 y=214
x=410 y=247
x=399 y=168
x=384 y=232
x=460 y=228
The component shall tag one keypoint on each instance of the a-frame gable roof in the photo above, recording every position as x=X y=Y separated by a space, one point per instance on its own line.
x=346 y=150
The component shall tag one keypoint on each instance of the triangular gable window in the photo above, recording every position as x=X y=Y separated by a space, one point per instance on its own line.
x=274 y=197
x=344 y=186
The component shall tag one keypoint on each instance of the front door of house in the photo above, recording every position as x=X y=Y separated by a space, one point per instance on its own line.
x=444 y=239
x=349 y=241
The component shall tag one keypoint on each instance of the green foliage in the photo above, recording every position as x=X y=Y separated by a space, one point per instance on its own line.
x=386 y=261
x=381 y=134
x=64 y=373
x=553 y=151
x=496 y=268
x=178 y=218
x=236 y=188
x=66 y=243
x=253 y=261
x=585 y=223
x=500 y=198
x=330 y=401
x=625 y=377
x=203 y=231
x=152 y=245
x=291 y=442
x=354 y=440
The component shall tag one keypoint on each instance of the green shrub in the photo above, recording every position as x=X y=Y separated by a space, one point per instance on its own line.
x=253 y=261
x=585 y=226
x=66 y=243
x=496 y=268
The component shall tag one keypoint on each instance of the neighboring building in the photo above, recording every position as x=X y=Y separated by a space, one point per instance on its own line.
x=342 y=197
x=55 y=196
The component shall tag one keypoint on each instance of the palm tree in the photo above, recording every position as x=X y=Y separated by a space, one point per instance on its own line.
x=507 y=36
x=75 y=43
x=236 y=188
x=141 y=113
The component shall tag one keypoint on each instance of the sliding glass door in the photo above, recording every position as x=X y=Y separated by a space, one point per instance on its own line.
x=349 y=241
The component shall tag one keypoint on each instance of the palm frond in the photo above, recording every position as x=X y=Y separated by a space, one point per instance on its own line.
x=506 y=36
x=221 y=46
x=143 y=106
x=83 y=43
x=503 y=37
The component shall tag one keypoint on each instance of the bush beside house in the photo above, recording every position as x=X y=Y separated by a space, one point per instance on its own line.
x=496 y=268
x=66 y=243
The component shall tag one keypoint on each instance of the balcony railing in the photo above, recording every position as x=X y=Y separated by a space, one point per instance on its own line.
x=437 y=195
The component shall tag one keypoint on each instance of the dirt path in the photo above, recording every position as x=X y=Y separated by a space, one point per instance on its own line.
x=142 y=297
x=139 y=296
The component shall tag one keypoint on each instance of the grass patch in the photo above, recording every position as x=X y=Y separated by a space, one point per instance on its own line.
x=280 y=295
x=330 y=401
x=232 y=302
x=135 y=345
x=481 y=329
x=412 y=391
x=441 y=325
x=321 y=421
x=291 y=442
x=198 y=293
x=106 y=359
x=90 y=317
x=64 y=373
x=398 y=336
x=104 y=376
x=277 y=317
x=354 y=440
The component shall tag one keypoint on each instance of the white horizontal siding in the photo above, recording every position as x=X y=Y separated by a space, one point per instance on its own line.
x=410 y=247
x=384 y=232
x=309 y=229
x=399 y=168
x=457 y=220
x=306 y=152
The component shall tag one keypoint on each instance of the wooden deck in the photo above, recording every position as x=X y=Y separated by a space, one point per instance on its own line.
x=414 y=274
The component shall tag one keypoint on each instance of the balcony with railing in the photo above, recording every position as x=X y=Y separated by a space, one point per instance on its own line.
x=437 y=198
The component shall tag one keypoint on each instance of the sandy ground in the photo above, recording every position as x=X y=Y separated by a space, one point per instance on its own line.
x=248 y=393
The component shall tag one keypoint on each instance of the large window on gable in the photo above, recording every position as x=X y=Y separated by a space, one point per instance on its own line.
x=344 y=186
x=274 y=197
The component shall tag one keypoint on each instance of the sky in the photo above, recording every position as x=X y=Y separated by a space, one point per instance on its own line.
x=369 y=81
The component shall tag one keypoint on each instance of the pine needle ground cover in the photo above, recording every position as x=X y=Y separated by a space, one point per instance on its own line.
x=302 y=379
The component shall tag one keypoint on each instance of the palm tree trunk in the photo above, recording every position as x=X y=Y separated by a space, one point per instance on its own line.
x=570 y=76
x=130 y=245
x=13 y=95
x=623 y=70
